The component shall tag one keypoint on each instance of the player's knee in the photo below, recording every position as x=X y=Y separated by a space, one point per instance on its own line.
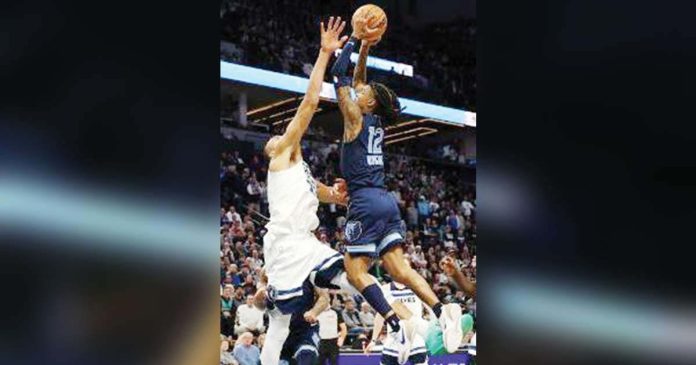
x=306 y=357
x=356 y=275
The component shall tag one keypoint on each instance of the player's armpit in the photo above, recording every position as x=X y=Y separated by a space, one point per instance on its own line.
x=352 y=116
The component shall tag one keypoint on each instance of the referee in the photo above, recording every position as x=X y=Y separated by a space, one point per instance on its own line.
x=332 y=332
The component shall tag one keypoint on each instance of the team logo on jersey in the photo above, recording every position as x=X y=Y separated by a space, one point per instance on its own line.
x=353 y=230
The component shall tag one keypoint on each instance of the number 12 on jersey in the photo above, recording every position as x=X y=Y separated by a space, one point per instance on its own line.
x=374 y=146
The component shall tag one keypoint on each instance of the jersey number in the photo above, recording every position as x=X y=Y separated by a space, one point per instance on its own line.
x=374 y=140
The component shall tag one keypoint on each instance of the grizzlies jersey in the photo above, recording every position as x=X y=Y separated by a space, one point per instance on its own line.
x=292 y=201
x=362 y=163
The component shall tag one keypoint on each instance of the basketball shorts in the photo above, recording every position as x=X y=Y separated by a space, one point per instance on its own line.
x=374 y=223
x=289 y=261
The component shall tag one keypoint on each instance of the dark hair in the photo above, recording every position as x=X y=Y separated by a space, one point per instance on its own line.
x=388 y=106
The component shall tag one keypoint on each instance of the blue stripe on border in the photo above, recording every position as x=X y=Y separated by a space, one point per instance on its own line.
x=388 y=239
x=360 y=248
x=318 y=267
x=283 y=292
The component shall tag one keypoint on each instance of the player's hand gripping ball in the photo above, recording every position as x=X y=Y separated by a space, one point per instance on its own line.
x=369 y=23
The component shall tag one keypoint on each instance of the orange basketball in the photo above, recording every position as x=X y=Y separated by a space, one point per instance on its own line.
x=375 y=22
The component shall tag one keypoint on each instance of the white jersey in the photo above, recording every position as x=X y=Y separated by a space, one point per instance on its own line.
x=394 y=292
x=292 y=201
x=291 y=251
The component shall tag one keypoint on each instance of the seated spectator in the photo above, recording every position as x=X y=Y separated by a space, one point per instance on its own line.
x=245 y=351
x=228 y=310
x=352 y=318
x=249 y=285
x=233 y=272
x=226 y=357
x=239 y=297
x=232 y=215
x=249 y=318
x=366 y=316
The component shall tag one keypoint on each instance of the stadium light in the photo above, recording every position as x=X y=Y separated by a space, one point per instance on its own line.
x=277 y=80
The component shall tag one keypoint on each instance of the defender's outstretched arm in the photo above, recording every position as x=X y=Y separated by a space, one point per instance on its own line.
x=329 y=43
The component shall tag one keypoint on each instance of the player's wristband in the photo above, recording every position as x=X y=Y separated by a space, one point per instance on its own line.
x=342 y=81
x=340 y=67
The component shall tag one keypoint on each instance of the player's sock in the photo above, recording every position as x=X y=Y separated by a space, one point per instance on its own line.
x=393 y=321
x=373 y=294
x=437 y=309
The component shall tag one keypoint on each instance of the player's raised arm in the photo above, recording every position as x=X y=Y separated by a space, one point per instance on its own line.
x=360 y=72
x=330 y=42
x=352 y=116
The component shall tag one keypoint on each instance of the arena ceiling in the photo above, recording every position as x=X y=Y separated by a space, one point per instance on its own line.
x=269 y=110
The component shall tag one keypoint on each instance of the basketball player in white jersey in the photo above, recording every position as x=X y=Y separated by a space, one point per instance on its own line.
x=290 y=248
x=391 y=354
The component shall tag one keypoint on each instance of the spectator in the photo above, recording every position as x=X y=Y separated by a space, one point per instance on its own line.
x=367 y=318
x=228 y=309
x=423 y=209
x=254 y=191
x=245 y=352
x=232 y=215
x=412 y=215
x=352 y=318
x=467 y=206
x=249 y=318
x=238 y=297
x=226 y=357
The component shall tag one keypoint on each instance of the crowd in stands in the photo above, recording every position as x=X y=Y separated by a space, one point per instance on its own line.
x=438 y=206
x=283 y=36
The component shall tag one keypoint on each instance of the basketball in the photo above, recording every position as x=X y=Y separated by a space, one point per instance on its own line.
x=375 y=22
